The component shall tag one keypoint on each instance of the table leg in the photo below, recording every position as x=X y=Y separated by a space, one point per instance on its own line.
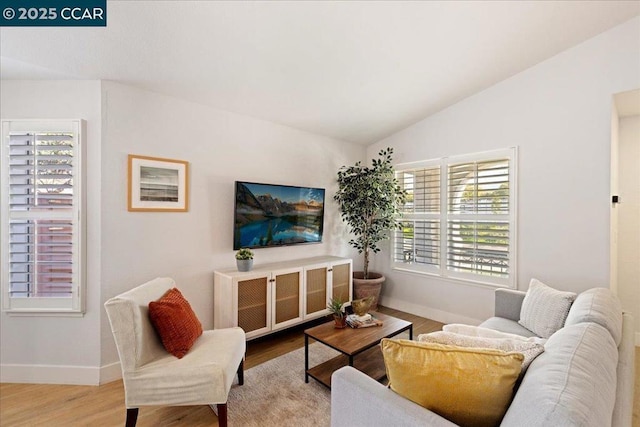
x=306 y=358
x=411 y=332
x=350 y=360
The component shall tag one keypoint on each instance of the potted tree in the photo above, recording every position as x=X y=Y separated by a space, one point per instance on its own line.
x=369 y=199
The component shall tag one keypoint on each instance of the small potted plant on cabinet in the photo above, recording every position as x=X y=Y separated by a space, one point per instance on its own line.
x=336 y=307
x=244 y=259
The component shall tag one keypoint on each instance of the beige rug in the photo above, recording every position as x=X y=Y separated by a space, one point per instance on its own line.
x=275 y=394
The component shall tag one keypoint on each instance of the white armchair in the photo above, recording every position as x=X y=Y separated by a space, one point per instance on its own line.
x=152 y=376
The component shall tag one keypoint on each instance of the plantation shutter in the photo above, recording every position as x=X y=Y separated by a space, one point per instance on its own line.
x=459 y=218
x=478 y=226
x=42 y=217
x=418 y=242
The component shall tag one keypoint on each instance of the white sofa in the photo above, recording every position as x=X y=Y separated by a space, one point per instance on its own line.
x=585 y=377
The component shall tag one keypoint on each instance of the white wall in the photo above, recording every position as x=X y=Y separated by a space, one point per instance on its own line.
x=124 y=248
x=59 y=349
x=629 y=218
x=559 y=114
x=221 y=148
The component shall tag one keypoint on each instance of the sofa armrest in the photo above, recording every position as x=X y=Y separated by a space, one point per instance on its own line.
x=358 y=400
x=508 y=303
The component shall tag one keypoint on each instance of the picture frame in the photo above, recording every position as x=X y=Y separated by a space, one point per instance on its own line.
x=157 y=184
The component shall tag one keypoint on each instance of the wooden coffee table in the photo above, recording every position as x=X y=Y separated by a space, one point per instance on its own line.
x=361 y=342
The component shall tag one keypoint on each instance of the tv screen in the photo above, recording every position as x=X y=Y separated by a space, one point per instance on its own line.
x=268 y=215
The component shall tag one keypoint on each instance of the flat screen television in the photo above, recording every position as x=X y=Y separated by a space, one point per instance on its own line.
x=268 y=215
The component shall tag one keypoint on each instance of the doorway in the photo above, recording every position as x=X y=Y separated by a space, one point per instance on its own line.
x=625 y=211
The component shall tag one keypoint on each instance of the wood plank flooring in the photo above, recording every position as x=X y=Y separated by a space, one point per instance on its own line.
x=36 y=405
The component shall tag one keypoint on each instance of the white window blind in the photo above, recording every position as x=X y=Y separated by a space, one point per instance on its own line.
x=423 y=190
x=41 y=217
x=478 y=220
x=473 y=237
x=418 y=242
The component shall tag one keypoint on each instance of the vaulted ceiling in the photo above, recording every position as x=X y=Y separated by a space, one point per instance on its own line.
x=357 y=71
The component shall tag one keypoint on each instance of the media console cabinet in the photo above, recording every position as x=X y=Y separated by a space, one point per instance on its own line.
x=275 y=296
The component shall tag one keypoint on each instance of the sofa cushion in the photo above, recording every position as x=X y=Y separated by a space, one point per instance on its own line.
x=507 y=326
x=572 y=383
x=468 y=386
x=544 y=309
x=175 y=322
x=598 y=305
x=508 y=342
x=485 y=332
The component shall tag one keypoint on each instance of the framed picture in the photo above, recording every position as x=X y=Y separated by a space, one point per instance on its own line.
x=158 y=185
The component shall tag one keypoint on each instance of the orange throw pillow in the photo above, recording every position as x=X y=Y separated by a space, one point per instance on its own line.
x=175 y=322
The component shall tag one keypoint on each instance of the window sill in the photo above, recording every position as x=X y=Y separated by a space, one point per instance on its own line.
x=452 y=279
x=43 y=313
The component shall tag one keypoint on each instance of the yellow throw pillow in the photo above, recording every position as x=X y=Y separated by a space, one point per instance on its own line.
x=468 y=386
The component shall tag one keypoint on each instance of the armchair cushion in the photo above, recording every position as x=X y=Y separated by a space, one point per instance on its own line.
x=203 y=376
x=175 y=322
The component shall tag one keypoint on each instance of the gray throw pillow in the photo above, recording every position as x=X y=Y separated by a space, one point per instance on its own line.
x=544 y=309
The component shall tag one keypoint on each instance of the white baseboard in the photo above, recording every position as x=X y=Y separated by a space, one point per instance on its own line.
x=52 y=374
x=111 y=372
x=428 y=312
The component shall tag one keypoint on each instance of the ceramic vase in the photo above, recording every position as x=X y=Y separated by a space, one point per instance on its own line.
x=244 y=264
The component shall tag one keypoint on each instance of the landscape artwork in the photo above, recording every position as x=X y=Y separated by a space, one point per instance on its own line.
x=158 y=184
x=276 y=215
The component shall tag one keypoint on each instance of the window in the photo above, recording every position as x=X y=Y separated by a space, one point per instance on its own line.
x=42 y=238
x=459 y=218
x=418 y=242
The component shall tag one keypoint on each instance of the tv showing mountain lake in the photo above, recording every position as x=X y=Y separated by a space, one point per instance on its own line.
x=268 y=215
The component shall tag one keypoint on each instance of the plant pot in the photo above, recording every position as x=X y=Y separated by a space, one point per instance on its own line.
x=339 y=322
x=244 y=264
x=363 y=288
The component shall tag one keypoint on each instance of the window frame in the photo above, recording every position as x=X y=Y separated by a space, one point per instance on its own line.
x=415 y=217
x=74 y=305
x=444 y=216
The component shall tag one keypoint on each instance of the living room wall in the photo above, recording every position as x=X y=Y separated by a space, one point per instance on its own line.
x=125 y=248
x=59 y=349
x=559 y=115
x=221 y=147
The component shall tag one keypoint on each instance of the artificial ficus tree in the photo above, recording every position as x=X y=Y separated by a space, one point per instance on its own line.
x=369 y=198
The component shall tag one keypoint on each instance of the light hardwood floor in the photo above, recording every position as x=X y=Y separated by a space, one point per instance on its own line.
x=36 y=405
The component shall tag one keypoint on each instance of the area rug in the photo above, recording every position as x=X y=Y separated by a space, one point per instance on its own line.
x=275 y=394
